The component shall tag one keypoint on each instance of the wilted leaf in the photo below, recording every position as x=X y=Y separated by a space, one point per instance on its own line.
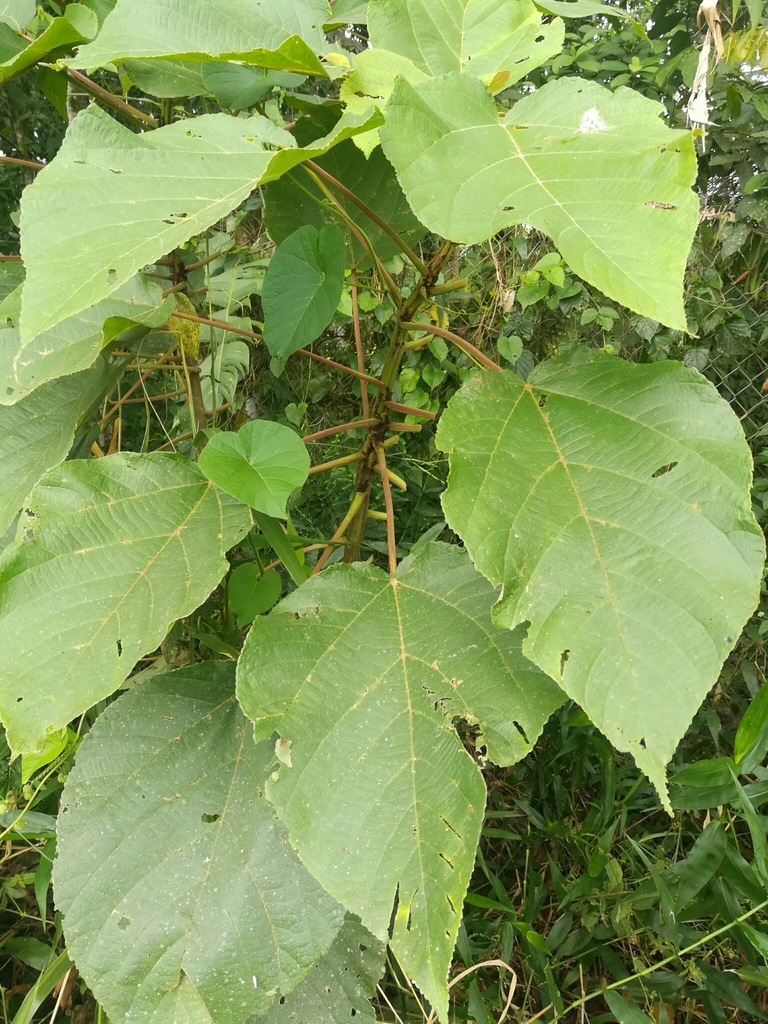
x=382 y=800
x=595 y=170
x=282 y=34
x=612 y=501
x=302 y=288
x=262 y=464
x=108 y=554
x=178 y=885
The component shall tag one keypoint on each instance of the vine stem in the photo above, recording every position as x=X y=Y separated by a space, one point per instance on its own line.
x=358 y=340
x=9 y=259
x=391 y=542
x=371 y=215
x=457 y=340
x=258 y=337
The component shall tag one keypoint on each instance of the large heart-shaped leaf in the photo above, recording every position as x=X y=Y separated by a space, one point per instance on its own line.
x=479 y=37
x=295 y=200
x=145 y=195
x=262 y=464
x=596 y=170
x=177 y=883
x=382 y=801
x=341 y=984
x=74 y=343
x=302 y=288
x=37 y=433
x=282 y=34
x=109 y=553
x=612 y=501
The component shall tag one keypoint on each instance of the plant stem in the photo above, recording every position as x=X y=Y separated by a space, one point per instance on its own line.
x=391 y=542
x=409 y=410
x=454 y=285
x=465 y=346
x=383 y=403
x=22 y=163
x=358 y=340
x=371 y=215
x=357 y=501
x=111 y=100
x=338 y=430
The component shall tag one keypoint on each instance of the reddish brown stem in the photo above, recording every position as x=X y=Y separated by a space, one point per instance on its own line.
x=391 y=542
x=408 y=410
x=9 y=259
x=338 y=430
x=461 y=343
x=23 y=163
x=111 y=100
x=138 y=384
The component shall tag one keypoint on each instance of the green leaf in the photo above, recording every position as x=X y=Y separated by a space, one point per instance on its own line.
x=612 y=501
x=282 y=34
x=752 y=727
x=580 y=9
x=36 y=434
x=510 y=348
x=252 y=593
x=382 y=799
x=625 y=1012
x=177 y=883
x=145 y=195
x=295 y=200
x=348 y=12
x=42 y=988
x=262 y=464
x=702 y=862
x=479 y=37
x=596 y=171
x=302 y=288
x=75 y=343
x=63 y=33
x=282 y=546
x=108 y=554
x=238 y=87
x=165 y=78
x=340 y=985
x=17 y=13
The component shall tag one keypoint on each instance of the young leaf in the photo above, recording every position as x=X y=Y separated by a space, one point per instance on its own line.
x=177 y=883
x=108 y=553
x=612 y=501
x=595 y=170
x=340 y=986
x=251 y=593
x=479 y=37
x=144 y=195
x=364 y=674
x=261 y=464
x=73 y=344
x=284 y=35
x=36 y=434
x=302 y=288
